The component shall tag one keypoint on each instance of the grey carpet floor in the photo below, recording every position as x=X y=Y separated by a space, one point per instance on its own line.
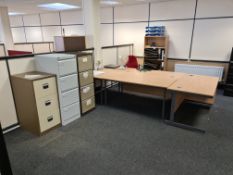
x=128 y=137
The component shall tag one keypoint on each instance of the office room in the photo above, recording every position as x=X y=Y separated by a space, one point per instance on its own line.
x=110 y=87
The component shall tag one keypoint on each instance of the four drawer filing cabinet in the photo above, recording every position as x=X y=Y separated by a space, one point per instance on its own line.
x=86 y=81
x=36 y=101
x=65 y=67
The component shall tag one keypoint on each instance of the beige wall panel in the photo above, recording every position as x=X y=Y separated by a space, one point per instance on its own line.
x=7 y=108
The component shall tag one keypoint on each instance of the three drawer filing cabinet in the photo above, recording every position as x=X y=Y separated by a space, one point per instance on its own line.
x=65 y=67
x=36 y=101
x=86 y=81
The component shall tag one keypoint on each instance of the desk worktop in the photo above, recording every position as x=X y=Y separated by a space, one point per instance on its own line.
x=173 y=81
x=161 y=79
x=196 y=84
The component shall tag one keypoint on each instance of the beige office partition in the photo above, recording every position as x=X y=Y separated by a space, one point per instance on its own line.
x=8 y=115
x=109 y=56
x=24 y=47
x=2 y=51
x=41 y=47
x=22 y=65
x=7 y=108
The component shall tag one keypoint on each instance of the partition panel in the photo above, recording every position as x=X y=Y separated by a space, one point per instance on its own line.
x=18 y=35
x=24 y=47
x=8 y=113
x=41 y=48
x=109 y=56
x=33 y=34
x=213 y=39
x=123 y=53
x=22 y=65
x=2 y=51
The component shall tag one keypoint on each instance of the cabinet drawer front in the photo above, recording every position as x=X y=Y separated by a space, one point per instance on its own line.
x=85 y=63
x=46 y=105
x=48 y=121
x=68 y=82
x=88 y=104
x=45 y=87
x=70 y=111
x=67 y=67
x=69 y=97
x=86 y=77
x=87 y=91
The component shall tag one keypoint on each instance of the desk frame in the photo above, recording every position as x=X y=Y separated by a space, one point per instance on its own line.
x=104 y=88
x=177 y=100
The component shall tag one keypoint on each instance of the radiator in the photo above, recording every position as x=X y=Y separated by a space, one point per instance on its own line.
x=214 y=71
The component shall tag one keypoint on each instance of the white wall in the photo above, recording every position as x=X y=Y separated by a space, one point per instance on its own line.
x=212 y=37
x=43 y=27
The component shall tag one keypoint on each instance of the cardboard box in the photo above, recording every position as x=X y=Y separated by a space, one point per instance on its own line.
x=69 y=43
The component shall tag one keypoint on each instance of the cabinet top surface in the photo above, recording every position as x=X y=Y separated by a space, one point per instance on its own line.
x=32 y=76
x=58 y=56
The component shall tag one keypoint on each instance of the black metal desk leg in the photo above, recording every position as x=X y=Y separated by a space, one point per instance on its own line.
x=164 y=105
x=101 y=92
x=105 y=92
x=173 y=105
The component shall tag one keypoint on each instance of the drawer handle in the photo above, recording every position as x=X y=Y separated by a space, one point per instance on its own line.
x=50 y=118
x=86 y=90
x=84 y=59
x=85 y=75
x=47 y=103
x=45 y=86
x=89 y=102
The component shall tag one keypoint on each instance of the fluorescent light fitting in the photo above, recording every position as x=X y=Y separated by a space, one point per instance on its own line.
x=58 y=6
x=15 y=13
x=109 y=2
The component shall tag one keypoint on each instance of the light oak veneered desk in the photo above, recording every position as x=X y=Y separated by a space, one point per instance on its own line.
x=178 y=86
x=196 y=88
x=149 y=82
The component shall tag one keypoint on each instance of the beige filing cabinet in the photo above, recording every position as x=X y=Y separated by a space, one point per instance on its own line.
x=86 y=81
x=36 y=101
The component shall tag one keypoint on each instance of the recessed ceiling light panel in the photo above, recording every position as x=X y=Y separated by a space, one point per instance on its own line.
x=58 y=6
x=15 y=13
x=110 y=2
